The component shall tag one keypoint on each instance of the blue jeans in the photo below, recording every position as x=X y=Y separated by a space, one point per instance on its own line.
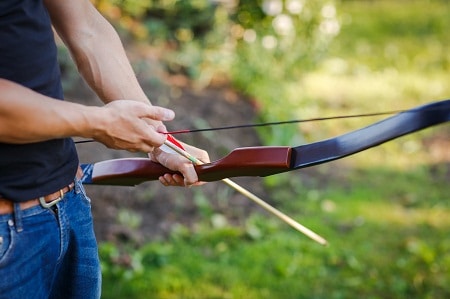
x=50 y=253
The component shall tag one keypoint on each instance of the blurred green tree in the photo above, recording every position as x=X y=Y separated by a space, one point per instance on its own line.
x=261 y=46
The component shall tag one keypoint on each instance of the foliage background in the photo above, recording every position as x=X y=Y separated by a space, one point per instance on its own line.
x=385 y=212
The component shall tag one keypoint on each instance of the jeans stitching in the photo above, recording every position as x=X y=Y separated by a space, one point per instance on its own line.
x=12 y=236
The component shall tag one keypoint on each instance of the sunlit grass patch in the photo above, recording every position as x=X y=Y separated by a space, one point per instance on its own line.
x=398 y=215
x=322 y=93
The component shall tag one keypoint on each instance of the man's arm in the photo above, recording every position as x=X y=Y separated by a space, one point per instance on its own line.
x=102 y=61
x=27 y=116
x=96 y=49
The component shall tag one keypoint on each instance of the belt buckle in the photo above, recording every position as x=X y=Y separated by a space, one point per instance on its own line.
x=48 y=205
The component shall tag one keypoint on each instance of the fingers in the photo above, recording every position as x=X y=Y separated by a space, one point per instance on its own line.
x=177 y=163
x=153 y=112
x=136 y=126
x=172 y=180
x=200 y=154
x=131 y=125
x=181 y=164
x=142 y=110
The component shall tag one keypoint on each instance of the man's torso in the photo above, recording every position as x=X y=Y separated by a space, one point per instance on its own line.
x=28 y=56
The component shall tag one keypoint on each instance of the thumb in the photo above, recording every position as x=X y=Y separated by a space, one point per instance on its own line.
x=157 y=113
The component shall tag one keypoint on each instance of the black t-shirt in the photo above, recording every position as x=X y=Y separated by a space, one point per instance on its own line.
x=28 y=56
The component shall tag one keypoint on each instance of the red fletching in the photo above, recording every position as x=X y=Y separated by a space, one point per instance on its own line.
x=174 y=141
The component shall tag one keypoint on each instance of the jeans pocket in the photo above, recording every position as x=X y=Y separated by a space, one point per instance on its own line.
x=6 y=240
x=79 y=189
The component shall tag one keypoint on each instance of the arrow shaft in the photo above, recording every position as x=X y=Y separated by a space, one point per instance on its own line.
x=304 y=230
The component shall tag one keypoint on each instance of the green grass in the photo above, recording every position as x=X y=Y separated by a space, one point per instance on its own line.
x=385 y=212
x=402 y=34
x=388 y=239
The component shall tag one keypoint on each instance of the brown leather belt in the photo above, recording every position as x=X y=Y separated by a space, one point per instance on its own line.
x=7 y=206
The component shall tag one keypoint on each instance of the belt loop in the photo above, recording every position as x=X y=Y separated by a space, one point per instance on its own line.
x=18 y=217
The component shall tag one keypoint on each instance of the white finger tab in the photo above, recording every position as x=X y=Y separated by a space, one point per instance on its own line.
x=167 y=149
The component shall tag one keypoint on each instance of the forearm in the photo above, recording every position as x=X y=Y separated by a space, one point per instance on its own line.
x=97 y=51
x=102 y=61
x=27 y=116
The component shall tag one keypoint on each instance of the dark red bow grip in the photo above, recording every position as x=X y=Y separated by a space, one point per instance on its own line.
x=248 y=161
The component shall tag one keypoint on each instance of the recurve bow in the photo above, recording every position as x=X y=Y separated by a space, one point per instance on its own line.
x=270 y=160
